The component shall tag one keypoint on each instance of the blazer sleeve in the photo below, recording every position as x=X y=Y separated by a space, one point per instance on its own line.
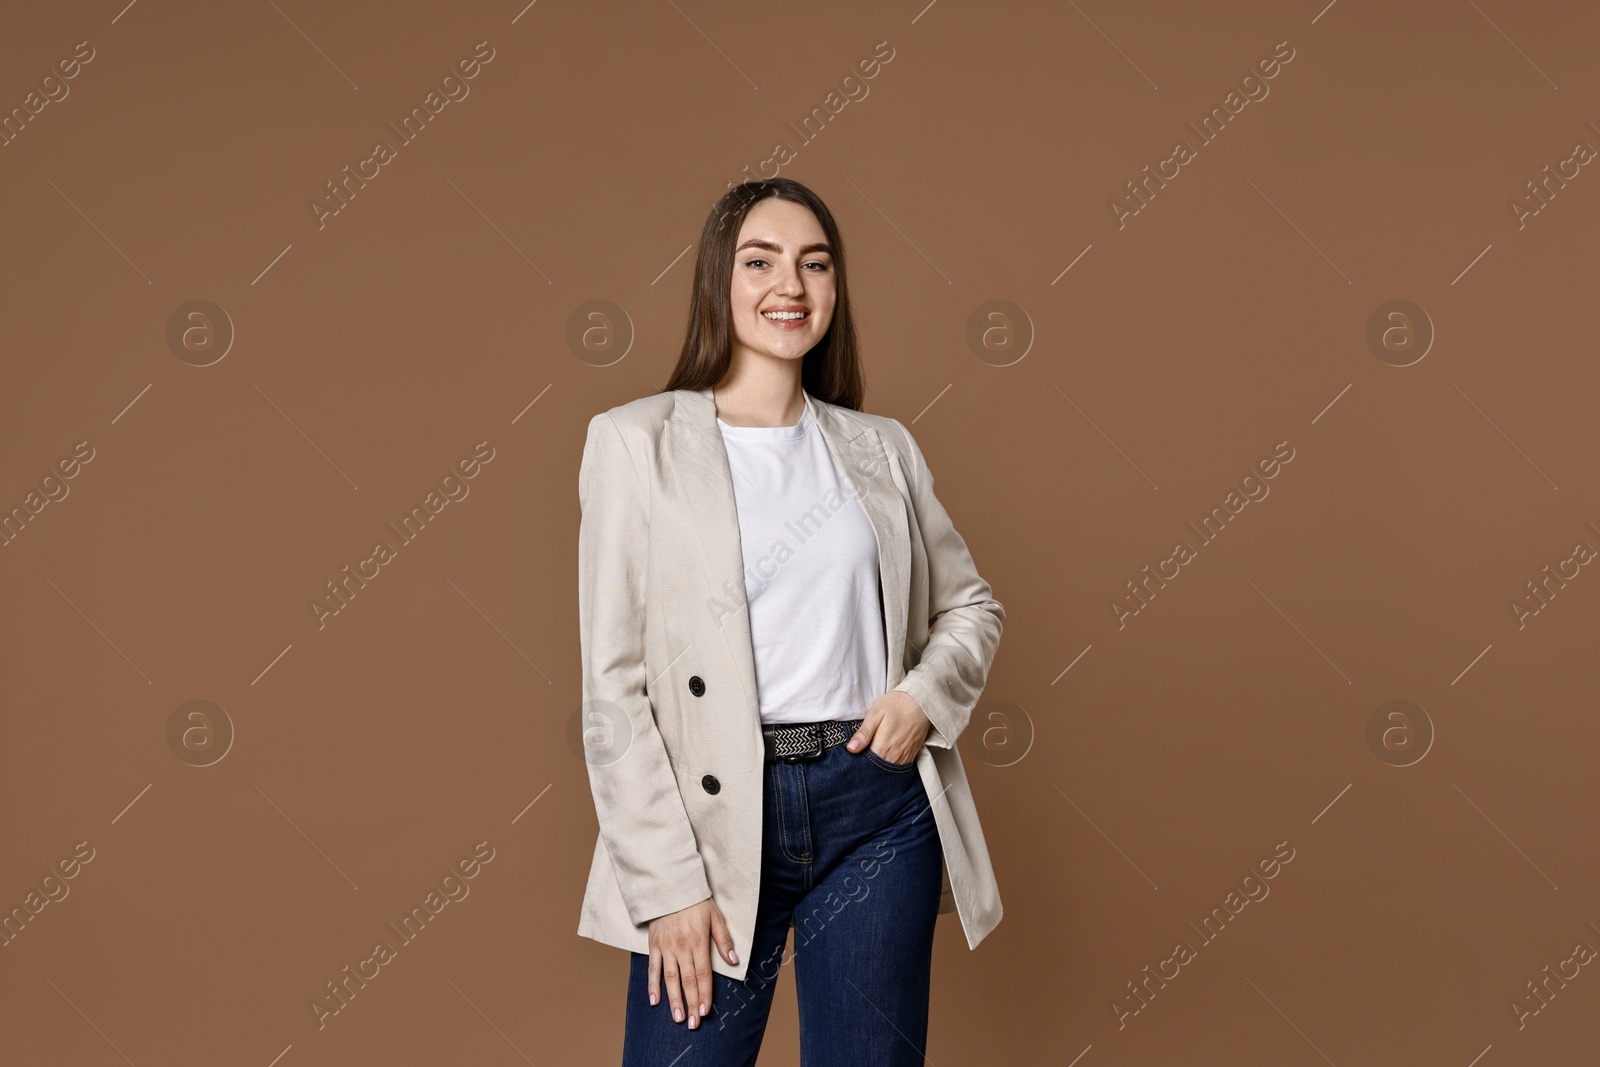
x=643 y=823
x=965 y=619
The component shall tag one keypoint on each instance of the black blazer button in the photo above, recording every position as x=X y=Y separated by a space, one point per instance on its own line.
x=711 y=784
x=698 y=687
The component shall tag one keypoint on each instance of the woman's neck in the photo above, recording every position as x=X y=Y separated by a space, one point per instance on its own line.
x=771 y=401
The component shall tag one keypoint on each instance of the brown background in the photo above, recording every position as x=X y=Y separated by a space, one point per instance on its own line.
x=1123 y=798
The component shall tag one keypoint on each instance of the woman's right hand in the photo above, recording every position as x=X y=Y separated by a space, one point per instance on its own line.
x=680 y=951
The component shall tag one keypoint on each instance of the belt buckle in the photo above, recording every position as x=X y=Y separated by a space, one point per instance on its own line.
x=815 y=730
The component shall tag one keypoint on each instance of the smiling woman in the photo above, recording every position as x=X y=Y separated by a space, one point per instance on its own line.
x=784 y=636
x=767 y=294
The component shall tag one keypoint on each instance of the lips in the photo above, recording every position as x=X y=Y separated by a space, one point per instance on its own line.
x=787 y=317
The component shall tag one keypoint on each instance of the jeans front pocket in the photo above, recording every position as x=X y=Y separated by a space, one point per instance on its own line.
x=899 y=768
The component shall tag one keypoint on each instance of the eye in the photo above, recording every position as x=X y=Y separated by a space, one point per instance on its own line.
x=817 y=263
x=753 y=262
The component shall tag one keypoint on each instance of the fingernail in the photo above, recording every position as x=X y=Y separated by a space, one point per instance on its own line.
x=733 y=955
x=654 y=999
x=704 y=1009
x=677 y=1014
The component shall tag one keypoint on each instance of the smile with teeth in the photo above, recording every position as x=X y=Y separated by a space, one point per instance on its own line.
x=785 y=316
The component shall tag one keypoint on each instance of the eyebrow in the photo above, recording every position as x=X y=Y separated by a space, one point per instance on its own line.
x=757 y=242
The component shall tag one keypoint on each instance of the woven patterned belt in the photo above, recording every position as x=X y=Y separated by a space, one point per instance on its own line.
x=796 y=742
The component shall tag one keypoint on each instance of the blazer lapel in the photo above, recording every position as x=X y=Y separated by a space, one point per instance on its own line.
x=696 y=456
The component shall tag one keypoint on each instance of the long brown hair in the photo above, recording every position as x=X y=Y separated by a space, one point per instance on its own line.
x=831 y=371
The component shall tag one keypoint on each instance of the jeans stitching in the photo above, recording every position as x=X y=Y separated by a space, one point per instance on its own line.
x=778 y=801
x=805 y=817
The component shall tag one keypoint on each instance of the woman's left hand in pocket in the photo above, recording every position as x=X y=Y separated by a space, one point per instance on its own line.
x=894 y=726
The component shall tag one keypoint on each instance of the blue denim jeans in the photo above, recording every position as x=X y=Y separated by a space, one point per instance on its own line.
x=850 y=858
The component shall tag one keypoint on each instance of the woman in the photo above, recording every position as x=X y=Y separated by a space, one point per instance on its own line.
x=782 y=638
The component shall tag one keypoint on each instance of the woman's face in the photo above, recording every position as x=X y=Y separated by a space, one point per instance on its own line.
x=781 y=263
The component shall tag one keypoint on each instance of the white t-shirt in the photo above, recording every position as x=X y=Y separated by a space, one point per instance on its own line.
x=810 y=575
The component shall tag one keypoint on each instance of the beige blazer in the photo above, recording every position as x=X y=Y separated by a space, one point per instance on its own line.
x=672 y=726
